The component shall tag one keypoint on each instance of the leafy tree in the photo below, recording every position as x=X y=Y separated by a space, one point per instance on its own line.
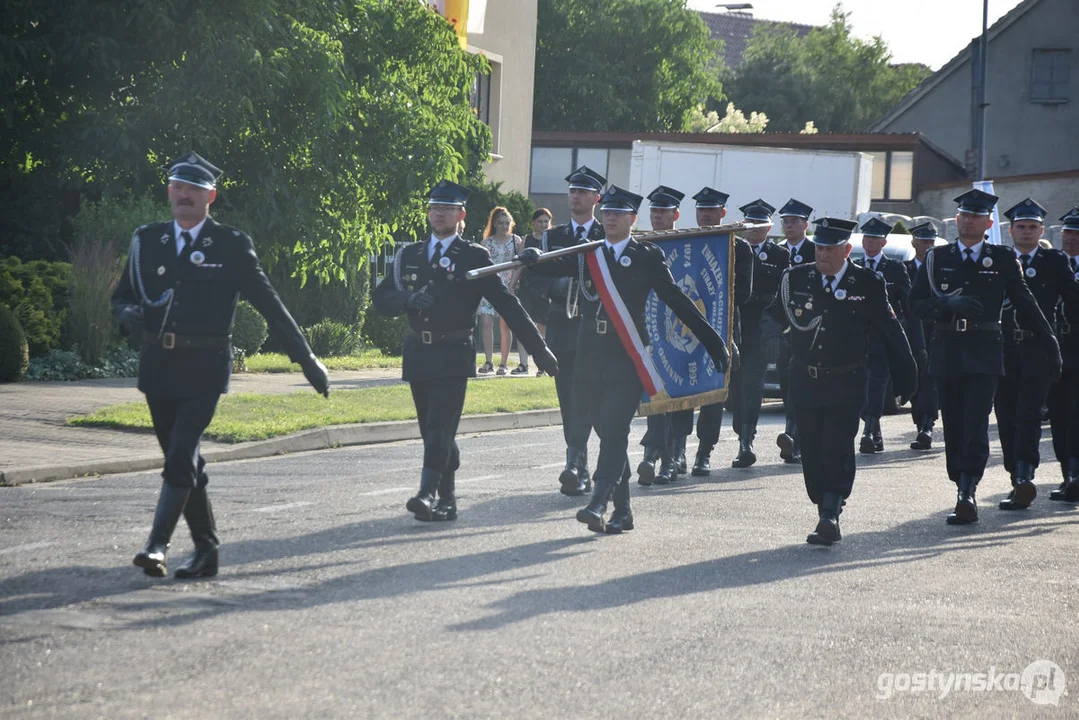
x=622 y=65
x=828 y=77
x=734 y=121
x=330 y=118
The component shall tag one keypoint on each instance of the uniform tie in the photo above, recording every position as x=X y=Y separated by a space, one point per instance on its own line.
x=1025 y=259
x=828 y=280
x=969 y=254
x=757 y=250
x=189 y=245
x=578 y=234
x=437 y=255
x=871 y=264
x=609 y=250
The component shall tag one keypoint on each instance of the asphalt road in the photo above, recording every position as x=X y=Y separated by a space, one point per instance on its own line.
x=333 y=602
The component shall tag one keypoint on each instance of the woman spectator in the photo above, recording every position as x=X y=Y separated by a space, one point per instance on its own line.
x=533 y=290
x=503 y=245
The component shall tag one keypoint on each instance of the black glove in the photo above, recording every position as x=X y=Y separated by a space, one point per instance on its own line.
x=720 y=356
x=529 y=256
x=130 y=319
x=546 y=361
x=736 y=357
x=316 y=374
x=921 y=358
x=968 y=307
x=419 y=300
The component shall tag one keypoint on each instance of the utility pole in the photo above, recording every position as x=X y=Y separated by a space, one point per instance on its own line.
x=983 y=55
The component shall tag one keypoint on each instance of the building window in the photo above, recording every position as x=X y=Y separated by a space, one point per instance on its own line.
x=481 y=97
x=893 y=175
x=551 y=165
x=1050 y=75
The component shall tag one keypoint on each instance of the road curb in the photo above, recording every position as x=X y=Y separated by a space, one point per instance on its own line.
x=316 y=439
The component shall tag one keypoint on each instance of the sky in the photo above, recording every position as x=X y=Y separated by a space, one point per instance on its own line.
x=925 y=31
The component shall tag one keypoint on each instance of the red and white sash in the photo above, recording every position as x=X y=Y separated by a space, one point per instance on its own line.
x=623 y=322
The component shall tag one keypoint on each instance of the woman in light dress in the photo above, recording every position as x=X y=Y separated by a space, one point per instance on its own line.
x=503 y=245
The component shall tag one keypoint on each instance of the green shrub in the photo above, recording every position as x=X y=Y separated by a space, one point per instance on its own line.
x=37 y=293
x=343 y=299
x=249 y=330
x=385 y=333
x=14 y=351
x=102 y=237
x=330 y=338
x=121 y=361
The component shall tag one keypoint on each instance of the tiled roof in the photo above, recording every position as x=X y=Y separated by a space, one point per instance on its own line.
x=735 y=29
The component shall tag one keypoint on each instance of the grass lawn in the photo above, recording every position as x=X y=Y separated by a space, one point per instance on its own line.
x=247 y=416
x=366 y=360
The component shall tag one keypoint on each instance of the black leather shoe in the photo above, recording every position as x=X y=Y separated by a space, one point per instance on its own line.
x=1022 y=495
x=746 y=456
x=445 y=510
x=866 y=445
x=170 y=506
x=202 y=563
x=702 y=464
x=573 y=484
x=827 y=530
x=680 y=455
x=924 y=441
x=786 y=446
x=878 y=442
x=966 y=507
x=423 y=504
x=592 y=518
x=646 y=470
x=621 y=521
x=1060 y=493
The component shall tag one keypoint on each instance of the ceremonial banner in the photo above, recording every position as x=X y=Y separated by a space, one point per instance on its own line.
x=702 y=263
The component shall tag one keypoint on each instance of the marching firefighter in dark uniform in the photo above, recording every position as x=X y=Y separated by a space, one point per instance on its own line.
x=924 y=405
x=962 y=288
x=795 y=221
x=710 y=211
x=658 y=441
x=874 y=238
x=607 y=388
x=1064 y=395
x=834 y=308
x=1024 y=388
x=758 y=328
x=428 y=284
x=180 y=286
x=563 y=320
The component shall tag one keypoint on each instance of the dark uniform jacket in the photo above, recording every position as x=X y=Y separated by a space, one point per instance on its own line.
x=829 y=333
x=898 y=281
x=1067 y=328
x=767 y=269
x=561 y=331
x=202 y=308
x=992 y=277
x=1050 y=278
x=641 y=269
x=441 y=344
x=805 y=255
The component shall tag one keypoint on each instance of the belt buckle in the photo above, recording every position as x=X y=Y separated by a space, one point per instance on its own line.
x=961 y=325
x=1018 y=335
x=168 y=341
x=812 y=371
x=1065 y=329
x=426 y=337
x=601 y=327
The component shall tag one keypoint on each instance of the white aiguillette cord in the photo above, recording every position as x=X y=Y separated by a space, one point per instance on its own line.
x=135 y=270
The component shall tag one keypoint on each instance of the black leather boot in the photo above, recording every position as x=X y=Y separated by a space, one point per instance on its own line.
x=865 y=445
x=584 y=482
x=702 y=464
x=746 y=456
x=646 y=470
x=680 y=454
x=200 y=518
x=446 y=509
x=592 y=514
x=423 y=504
x=668 y=470
x=924 y=440
x=788 y=443
x=966 y=507
x=878 y=439
x=827 y=530
x=1069 y=489
x=622 y=517
x=1023 y=488
x=570 y=478
x=170 y=506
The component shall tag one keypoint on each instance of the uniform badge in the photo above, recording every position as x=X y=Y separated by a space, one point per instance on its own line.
x=798 y=258
x=624 y=261
x=449 y=276
x=797 y=312
x=165 y=238
x=987 y=262
x=444 y=262
x=1031 y=272
x=809 y=306
x=763 y=256
x=197 y=258
x=944 y=286
x=415 y=277
x=160 y=269
x=206 y=242
x=840 y=294
x=192 y=158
